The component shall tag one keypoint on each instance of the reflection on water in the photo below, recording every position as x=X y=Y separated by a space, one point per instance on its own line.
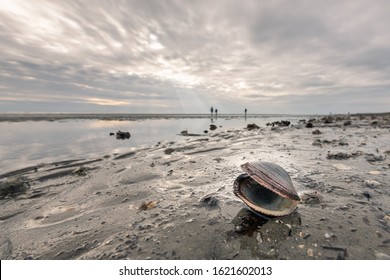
x=32 y=142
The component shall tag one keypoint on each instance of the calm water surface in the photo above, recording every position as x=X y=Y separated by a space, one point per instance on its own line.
x=28 y=143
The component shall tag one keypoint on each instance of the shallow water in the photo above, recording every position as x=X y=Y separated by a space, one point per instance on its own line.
x=28 y=143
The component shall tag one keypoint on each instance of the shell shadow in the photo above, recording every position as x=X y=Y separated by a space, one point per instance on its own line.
x=246 y=222
x=263 y=237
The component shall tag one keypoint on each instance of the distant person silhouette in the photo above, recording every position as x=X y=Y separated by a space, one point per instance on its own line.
x=216 y=113
x=245 y=113
x=212 y=110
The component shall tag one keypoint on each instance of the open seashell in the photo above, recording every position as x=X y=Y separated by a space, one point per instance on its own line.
x=266 y=188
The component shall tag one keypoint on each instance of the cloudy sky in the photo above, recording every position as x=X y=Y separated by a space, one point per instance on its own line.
x=186 y=56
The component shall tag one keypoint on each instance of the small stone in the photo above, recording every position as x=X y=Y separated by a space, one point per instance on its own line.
x=374 y=158
x=367 y=195
x=347 y=123
x=14 y=186
x=209 y=201
x=81 y=171
x=343 y=143
x=259 y=238
x=310 y=252
x=372 y=184
x=329 y=235
x=375 y=172
x=381 y=256
x=147 y=205
x=169 y=151
x=252 y=126
x=311 y=198
x=309 y=125
x=341 y=166
x=316 y=132
x=344 y=207
x=317 y=142
x=339 y=155
x=213 y=127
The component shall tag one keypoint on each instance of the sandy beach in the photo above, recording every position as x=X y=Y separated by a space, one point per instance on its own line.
x=174 y=200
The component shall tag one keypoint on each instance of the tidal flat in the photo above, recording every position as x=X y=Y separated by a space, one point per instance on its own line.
x=174 y=199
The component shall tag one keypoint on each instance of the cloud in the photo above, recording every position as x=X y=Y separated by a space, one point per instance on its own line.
x=170 y=56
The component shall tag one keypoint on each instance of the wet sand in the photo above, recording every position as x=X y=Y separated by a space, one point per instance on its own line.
x=174 y=200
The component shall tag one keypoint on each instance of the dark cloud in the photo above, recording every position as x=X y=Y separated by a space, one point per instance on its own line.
x=170 y=56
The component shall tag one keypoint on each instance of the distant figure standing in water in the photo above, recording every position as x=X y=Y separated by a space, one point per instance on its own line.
x=245 y=112
x=212 y=110
x=216 y=113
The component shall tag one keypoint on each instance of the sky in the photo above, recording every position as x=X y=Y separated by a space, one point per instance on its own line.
x=271 y=57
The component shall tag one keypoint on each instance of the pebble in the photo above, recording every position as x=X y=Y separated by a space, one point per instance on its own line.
x=381 y=256
x=338 y=156
x=340 y=166
x=310 y=252
x=347 y=123
x=329 y=235
x=379 y=234
x=14 y=186
x=372 y=184
x=375 y=172
x=316 y=132
x=374 y=158
x=259 y=238
x=169 y=151
x=317 y=142
x=209 y=200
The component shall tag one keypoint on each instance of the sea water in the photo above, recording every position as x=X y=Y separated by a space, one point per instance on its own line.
x=29 y=143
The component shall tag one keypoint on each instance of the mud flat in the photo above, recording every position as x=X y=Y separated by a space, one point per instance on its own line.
x=174 y=200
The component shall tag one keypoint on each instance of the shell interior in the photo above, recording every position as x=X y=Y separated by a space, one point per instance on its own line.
x=261 y=199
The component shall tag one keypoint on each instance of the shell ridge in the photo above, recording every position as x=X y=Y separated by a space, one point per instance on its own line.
x=253 y=170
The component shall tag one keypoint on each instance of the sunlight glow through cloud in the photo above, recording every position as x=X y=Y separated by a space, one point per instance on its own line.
x=169 y=56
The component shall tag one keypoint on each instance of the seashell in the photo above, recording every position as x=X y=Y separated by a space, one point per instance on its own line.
x=266 y=188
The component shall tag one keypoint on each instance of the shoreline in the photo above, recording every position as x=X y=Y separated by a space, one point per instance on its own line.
x=174 y=200
x=18 y=117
